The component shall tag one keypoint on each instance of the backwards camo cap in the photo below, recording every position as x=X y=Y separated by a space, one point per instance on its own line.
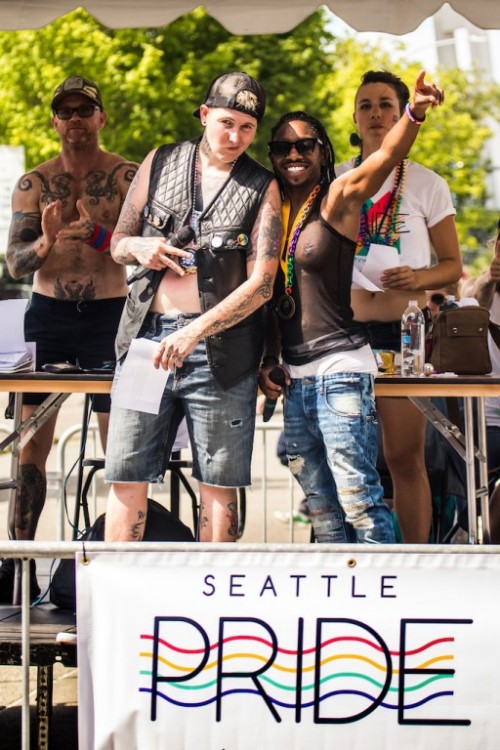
x=237 y=91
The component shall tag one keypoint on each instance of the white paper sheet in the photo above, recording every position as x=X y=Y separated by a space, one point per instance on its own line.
x=361 y=282
x=15 y=354
x=12 y=327
x=140 y=385
x=378 y=260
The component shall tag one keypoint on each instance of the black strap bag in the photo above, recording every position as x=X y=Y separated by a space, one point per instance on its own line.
x=161 y=526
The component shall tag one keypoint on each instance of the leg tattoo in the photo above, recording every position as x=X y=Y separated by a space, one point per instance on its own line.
x=30 y=499
x=137 y=528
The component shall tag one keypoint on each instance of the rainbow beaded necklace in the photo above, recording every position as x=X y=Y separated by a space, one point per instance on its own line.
x=384 y=231
x=286 y=305
x=288 y=258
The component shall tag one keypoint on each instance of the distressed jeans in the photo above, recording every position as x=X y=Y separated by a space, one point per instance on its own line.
x=331 y=444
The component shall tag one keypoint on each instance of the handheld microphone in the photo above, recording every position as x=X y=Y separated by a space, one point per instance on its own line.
x=278 y=377
x=179 y=239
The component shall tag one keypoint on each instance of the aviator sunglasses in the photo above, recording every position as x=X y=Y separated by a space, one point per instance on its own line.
x=303 y=146
x=84 y=110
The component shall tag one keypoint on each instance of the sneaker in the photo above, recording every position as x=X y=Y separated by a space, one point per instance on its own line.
x=7 y=572
x=297 y=517
x=67 y=637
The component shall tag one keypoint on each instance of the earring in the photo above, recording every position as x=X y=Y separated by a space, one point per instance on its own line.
x=354 y=139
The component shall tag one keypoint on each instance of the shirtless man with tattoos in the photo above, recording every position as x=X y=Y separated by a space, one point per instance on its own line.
x=202 y=308
x=64 y=212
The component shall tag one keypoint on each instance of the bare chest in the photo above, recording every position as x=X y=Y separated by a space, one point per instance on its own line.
x=98 y=190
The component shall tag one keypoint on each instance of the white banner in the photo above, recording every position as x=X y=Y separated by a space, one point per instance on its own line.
x=263 y=650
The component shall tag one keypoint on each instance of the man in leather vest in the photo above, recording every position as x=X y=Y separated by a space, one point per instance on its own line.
x=200 y=299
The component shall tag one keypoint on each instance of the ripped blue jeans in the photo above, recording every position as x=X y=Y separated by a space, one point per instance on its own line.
x=331 y=444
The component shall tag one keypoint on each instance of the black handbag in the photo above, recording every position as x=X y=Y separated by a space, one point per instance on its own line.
x=161 y=526
x=460 y=341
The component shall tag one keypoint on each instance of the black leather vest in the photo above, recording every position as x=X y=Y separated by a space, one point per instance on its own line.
x=223 y=242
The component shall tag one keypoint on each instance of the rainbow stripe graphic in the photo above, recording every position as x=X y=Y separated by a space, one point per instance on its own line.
x=347 y=672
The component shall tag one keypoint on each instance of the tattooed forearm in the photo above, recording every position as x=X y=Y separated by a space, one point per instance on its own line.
x=125 y=250
x=130 y=221
x=130 y=224
x=24 y=239
x=239 y=305
x=23 y=261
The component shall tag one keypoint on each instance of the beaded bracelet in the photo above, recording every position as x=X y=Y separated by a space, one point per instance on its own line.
x=101 y=238
x=413 y=118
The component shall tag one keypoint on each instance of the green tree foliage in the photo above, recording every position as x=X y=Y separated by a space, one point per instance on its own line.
x=153 y=79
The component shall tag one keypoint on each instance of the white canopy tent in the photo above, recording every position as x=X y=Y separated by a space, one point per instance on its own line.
x=248 y=16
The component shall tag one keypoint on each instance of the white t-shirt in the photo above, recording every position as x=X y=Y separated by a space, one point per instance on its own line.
x=426 y=200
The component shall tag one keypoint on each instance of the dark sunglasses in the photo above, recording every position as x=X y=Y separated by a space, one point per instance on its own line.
x=304 y=146
x=84 y=110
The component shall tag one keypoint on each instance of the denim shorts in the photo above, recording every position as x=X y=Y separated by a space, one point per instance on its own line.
x=221 y=423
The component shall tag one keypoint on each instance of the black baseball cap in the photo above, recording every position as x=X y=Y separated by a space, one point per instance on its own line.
x=237 y=91
x=77 y=85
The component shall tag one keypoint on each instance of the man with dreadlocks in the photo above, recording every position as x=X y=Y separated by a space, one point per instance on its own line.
x=329 y=408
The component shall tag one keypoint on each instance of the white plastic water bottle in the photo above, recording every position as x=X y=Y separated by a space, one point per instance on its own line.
x=412 y=341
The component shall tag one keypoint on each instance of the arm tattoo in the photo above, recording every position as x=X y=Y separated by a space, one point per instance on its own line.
x=129 y=224
x=130 y=220
x=23 y=260
x=245 y=307
x=271 y=234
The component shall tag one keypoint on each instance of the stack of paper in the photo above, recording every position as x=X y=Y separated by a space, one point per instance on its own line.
x=15 y=354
